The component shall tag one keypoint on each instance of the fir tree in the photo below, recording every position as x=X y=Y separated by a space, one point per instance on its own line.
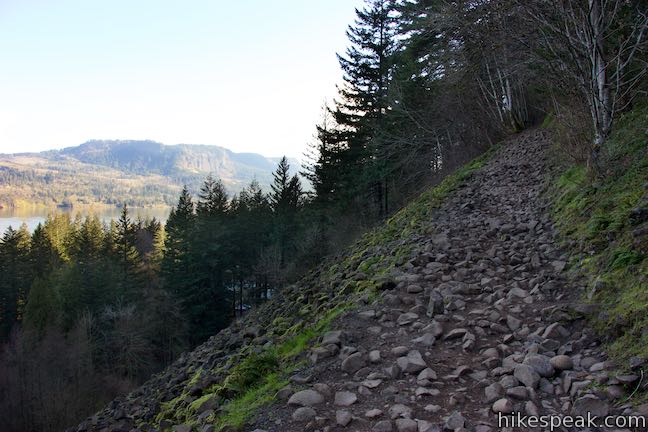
x=207 y=302
x=177 y=264
x=15 y=277
x=351 y=149
x=43 y=306
x=285 y=200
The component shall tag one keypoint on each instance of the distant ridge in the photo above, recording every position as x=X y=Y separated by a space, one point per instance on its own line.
x=137 y=172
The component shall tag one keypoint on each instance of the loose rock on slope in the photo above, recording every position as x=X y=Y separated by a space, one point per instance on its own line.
x=477 y=322
x=505 y=338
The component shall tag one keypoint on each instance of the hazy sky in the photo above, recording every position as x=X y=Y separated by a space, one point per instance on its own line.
x=250 y=75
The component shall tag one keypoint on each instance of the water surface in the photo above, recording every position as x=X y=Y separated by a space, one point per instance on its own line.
x=33 y=216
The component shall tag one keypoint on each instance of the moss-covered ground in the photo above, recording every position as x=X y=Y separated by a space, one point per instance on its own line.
x=595 y=213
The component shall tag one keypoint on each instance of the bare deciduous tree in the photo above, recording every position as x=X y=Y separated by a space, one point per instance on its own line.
x=595 y=44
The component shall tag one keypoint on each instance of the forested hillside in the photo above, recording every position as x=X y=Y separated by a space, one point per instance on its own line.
x=136 y=173
x=414 y=257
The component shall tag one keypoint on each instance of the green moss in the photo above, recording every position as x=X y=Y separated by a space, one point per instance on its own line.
x=279 y=326
x=194 y=379
x=168 y=410
x=236 y=413
x=595 y=214
x=248 y=373
x=255 y=381
x=193 y=406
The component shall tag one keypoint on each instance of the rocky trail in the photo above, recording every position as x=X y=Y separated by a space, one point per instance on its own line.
x=479 y=320
x=483 y=322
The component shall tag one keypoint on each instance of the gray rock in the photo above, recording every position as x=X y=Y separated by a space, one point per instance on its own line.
x=304 y=414
x=343 y=417
x=541 y=364
x=345 y=398
x=435 y=328
x=400 y=411
x=432 y=408
x=598 y=367
x=353 y=363
x=435 y=304
x=562 y=362
x=371 y=383
x=503 y=406
x=426 y=374
x=455 y=421
x=406 y=425
x=382 y=426
x=513 y=323
x=322 y=388
x=509 y=381
x=518 y=292
x=367 y=314
x=406 y=318
x=414 y=289
x=526 y=375
x=494 y=392
x=456 y=334
x=399 y=350
x=531 y=409
x=636 y=362
x=332 y=338
x=412 y=363
x=627 y=379
x=306 y=398
x=426 y=426
x=555 y=331
x=423 y=391
x=285 y=393
x=519 y=393
x=373 y=413
x=427 y=340
x=590 y=404
x=491 y=353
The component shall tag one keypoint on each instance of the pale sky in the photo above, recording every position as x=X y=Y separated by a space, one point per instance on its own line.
x=249 y=75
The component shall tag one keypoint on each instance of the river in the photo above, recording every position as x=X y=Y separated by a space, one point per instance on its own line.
x=33 y=216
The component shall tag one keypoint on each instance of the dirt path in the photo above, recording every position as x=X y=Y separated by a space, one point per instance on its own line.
x=480 y=323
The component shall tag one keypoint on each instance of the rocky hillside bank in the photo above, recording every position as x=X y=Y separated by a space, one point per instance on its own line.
x=460 y=307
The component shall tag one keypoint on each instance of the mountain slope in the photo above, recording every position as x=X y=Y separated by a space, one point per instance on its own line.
x=137 y=172
x=456 y=309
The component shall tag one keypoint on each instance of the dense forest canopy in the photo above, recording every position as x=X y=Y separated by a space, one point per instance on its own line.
x=427 y=85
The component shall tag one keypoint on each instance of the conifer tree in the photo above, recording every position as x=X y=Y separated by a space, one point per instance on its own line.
x=177 y=264
x=43 y=255
x=128 y=259
x=15 y=277
x=285 y=199
x=207 y=301
x=351 y=149
x=213 y=200
x=43 y=306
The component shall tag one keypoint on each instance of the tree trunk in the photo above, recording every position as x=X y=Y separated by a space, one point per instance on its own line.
x=601 y=101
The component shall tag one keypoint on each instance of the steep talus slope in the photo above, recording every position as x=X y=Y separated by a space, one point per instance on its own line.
x=456 y=309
